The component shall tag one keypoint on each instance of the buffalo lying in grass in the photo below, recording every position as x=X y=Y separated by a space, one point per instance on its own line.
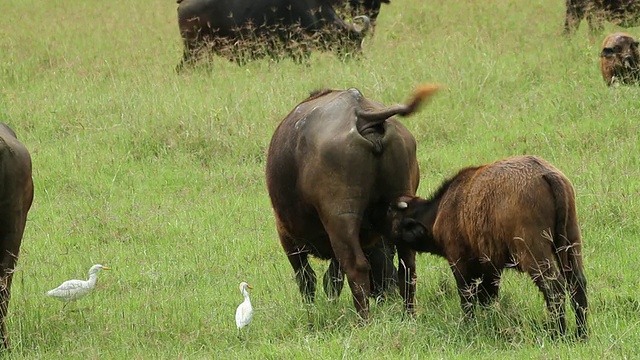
x=518 y=212
x=333 y=165
x=16 y=195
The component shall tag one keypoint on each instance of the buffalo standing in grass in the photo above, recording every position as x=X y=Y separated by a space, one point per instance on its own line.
x=518 y=212
x=16 y=195
x=248 y=29
x=625 y=13
x=620 y=59
x=333 y=165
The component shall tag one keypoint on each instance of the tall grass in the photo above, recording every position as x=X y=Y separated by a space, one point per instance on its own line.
x=161 y=177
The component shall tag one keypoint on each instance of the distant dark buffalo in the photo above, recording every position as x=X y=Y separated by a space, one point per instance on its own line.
x=625 y=13
x=16 y=195
x=620 y=59
x=518 y=212
x=248 y=29
x=333 y=165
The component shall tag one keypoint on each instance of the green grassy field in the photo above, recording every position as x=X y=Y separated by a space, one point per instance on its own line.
x=161 y=177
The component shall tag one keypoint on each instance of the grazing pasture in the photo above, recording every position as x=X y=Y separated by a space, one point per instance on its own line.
x=160 y=176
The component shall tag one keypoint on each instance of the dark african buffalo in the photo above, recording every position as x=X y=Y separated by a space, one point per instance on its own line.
x=625 y=13
x=620 y=59
x=16 y=195
x=248 y=29
x=333 y=165
x=518 y=212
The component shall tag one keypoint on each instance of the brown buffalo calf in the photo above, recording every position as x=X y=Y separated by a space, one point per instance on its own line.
x=620 y=59
x=518 y=212
x=16 y=195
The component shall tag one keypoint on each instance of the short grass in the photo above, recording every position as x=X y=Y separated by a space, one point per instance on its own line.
x=161 y=177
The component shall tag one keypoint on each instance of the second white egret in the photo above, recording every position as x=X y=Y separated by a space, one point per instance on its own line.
x=244 y=312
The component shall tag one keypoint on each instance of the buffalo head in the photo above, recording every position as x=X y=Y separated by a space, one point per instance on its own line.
x=620 y=59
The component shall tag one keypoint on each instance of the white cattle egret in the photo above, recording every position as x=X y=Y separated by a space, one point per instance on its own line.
x=244 y=312
x=72 y=290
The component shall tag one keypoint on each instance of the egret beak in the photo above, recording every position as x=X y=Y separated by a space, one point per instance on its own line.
x=106 y=268
x=249 y=287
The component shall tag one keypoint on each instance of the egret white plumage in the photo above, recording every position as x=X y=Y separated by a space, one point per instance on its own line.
x=72 y=290
x=244 y=312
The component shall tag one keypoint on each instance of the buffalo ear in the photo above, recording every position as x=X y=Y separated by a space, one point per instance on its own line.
x=413 y=232
x=607 y=52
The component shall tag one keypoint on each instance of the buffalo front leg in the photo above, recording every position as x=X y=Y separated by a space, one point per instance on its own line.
x=595 y=18
x=5 y=295
x=383 y=275
x=407 y=278
x=191 y=47
x=305 y=276
x=469 y=281
x=575 y=13
x=490 y=286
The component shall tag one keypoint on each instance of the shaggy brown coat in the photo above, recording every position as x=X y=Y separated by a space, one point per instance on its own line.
x=16 y=195
x=518 y=212
x=620 y=59
x=333 y=165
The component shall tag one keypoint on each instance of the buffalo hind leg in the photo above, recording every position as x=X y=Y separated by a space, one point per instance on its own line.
x=333 y=280
x=576 y=280
x=299 y=259
x=578 y=293
x=6 y=276
x=490 y=287
x=343 y=233
x=552 y=285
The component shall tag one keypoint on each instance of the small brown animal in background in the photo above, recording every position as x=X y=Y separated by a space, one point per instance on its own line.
x=620 y=59
x=518 y=212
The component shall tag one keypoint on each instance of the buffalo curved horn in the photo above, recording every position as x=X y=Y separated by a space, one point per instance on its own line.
x=366 y=23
